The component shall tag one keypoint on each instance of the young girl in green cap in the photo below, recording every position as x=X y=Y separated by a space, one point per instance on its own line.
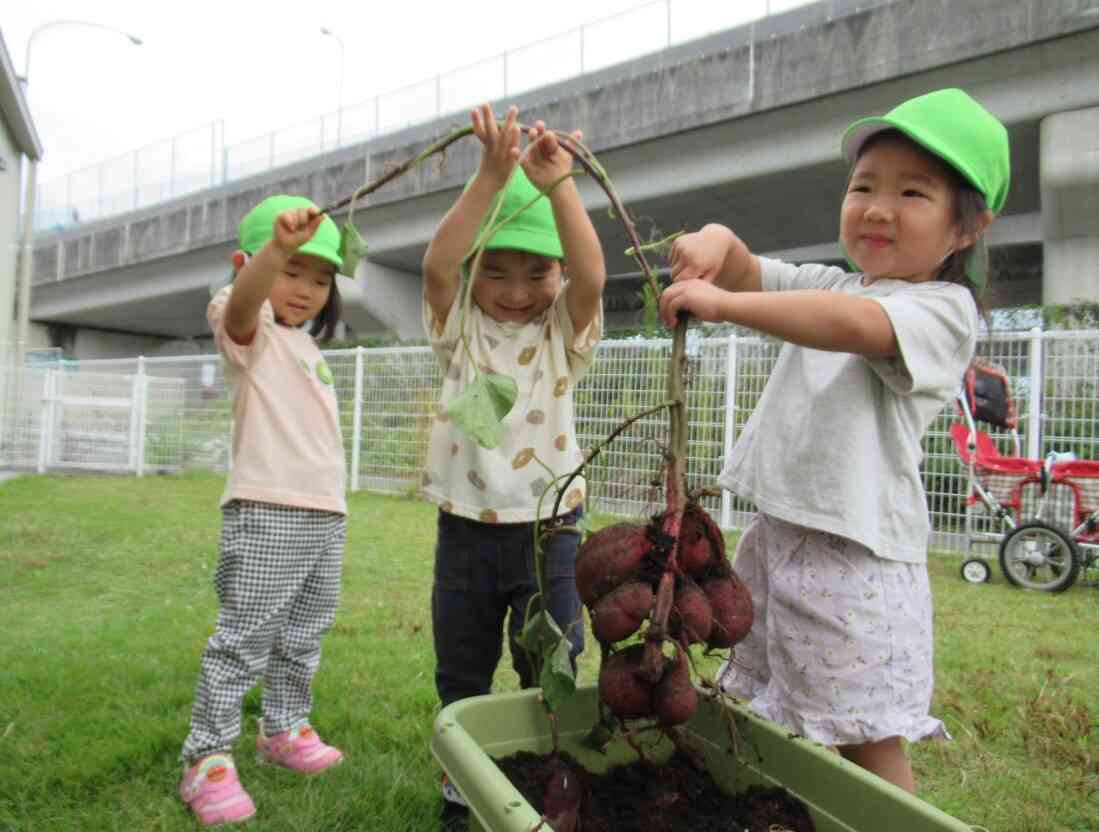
x=283 y=509
x=528 y=322
x=841 y=648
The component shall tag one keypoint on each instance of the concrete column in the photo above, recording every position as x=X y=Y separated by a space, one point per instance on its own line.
x=1069 y=168
x=381 y=298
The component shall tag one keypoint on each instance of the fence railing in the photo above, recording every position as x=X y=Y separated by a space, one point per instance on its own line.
x=146 y=415
x=201 y=158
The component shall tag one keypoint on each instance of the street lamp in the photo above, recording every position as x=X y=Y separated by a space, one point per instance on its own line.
x=23 y=328
x=339 y=112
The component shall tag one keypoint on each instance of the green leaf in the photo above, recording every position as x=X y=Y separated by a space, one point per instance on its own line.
x=558 y=680
x=540 y=634
x=479 y=410
x=353 y=248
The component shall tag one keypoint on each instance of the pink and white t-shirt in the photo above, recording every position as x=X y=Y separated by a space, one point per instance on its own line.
x=287 y=444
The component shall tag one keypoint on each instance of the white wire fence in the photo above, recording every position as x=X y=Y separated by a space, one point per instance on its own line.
x=201 y=158
x=151 y=415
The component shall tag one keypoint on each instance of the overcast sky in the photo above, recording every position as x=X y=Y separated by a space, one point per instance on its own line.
x=261 y=65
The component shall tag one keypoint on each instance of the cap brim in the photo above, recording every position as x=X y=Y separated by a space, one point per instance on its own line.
x=525 y=239
x=321 y=253
x=857 y=134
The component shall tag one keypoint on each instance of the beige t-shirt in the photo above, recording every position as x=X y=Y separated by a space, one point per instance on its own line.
x=287 y=444
x=834 y=441
x=547 y=360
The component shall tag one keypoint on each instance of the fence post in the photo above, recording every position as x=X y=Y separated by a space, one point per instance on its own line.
x=137 y=178
x=45 y=435
x=172 y=171
x=137 y=415
x=1034 y=399
x=730 y=424
x=357 y=419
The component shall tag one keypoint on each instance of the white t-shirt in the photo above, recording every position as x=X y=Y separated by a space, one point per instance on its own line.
x=547 y=360
x=287 y=444
x=834 y=442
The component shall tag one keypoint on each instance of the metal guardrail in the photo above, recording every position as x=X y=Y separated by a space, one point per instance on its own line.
x=201 y=158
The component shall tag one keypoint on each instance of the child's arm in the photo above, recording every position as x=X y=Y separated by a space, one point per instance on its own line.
x=254 y=279
x=458 y=230
x=544 y=162
x=716 y=254
x=718 y=279
x=813 y=318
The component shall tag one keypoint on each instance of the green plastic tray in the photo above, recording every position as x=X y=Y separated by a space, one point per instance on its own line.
x=841 y=796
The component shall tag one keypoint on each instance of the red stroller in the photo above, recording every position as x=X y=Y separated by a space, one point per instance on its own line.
x=1045 y=512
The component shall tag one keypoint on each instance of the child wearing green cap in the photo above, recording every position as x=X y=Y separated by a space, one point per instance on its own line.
x=528 y=322
x=283 y=509
x=841 y=648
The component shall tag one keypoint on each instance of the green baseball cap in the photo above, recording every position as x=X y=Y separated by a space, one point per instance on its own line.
x=955 y=128
x=534 y=230
x=257 y=229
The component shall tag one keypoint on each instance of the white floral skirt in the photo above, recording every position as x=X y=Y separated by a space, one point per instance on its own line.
x=840 y=651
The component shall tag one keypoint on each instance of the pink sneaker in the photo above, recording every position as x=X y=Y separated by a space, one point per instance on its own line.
x=299 y=749
x=211 y=788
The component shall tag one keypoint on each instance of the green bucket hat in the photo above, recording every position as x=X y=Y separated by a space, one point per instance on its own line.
x=958 y=130
x=257 y=229
x=534 y=230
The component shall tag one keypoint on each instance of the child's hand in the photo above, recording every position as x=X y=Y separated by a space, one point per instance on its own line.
x=701 y=254
x=294 y=228
x=545 y=161
x=500 y=145
x=702 y=299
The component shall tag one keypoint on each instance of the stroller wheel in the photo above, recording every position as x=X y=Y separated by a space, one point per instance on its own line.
x=976 y=571
x=1039 y=556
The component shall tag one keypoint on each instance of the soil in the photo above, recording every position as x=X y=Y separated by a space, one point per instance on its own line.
x=673 y=797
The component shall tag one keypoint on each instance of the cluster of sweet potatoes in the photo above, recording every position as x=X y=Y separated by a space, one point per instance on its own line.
x=682 y=587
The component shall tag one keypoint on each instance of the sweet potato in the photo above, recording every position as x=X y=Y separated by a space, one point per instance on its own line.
x=620 y=613
x=609 y=558
x=732 y=605
x=621 y=686
x=691 y=612
x=674 y=697
x=701 y=543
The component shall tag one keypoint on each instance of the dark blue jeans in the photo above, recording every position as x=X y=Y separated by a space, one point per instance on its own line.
x=483 y=572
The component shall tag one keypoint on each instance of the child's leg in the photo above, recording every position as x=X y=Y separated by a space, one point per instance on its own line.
x=885 y=758
x=236 y=653
x=562 y=600
x=467 y=612
x=296 y=652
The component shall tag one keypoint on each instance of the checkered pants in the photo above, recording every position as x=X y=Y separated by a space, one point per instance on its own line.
x=278 y=584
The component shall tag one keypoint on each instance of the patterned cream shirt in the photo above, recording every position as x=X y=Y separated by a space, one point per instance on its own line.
x=547 y=360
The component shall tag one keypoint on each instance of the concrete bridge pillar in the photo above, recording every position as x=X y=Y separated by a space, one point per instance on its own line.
x=383 y=295
x=1069 y=169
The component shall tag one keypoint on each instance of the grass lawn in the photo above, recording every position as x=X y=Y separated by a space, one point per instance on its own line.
x=106 y=601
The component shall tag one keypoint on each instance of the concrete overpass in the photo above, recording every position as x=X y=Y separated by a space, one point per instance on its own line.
x=740 y=127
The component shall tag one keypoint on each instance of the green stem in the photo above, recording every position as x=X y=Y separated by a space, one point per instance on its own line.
x=658 y=245
x=595 y=451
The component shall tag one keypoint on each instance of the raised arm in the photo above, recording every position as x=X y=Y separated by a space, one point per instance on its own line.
x=545 y=162
x=458 y=230
x=255 y=277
